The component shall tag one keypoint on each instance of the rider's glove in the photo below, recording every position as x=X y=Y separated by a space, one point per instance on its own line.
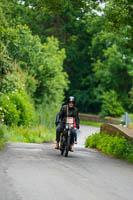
x=77 y=126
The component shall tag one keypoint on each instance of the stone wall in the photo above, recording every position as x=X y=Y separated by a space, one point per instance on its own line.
x=97 y=118
x=114 y=129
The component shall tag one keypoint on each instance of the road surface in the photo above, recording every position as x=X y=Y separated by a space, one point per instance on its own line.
x=39 y=172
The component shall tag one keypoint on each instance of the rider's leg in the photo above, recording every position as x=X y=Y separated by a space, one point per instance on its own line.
x=59 y=129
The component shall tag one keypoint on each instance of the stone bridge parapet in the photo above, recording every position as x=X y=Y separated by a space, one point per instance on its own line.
x=115 y=129
x=97 y=118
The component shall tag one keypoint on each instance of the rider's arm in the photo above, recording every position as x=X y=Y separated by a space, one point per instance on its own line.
x=59 y=116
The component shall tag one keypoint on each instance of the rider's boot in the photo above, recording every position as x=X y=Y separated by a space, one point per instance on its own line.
x=57 y=145
x=70 y=148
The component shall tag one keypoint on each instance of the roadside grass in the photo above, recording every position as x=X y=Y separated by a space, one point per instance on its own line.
x=36 y=134
x=97 y=124
x=131 y=117
x=1 y=143
x=3 y=131
x=117 y=146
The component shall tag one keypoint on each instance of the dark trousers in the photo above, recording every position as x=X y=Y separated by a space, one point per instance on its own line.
x=60 y=129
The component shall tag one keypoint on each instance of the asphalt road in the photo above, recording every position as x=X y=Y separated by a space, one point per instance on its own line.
x=39 y=172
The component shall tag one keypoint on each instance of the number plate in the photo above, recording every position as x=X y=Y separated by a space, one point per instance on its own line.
x=69 y=120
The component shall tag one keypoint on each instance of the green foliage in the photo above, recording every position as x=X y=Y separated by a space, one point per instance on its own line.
x=62 y=19
x=42 y=63
x=116 y=146
x=114 y=62
x=92 y=141
x=28 y=65
x=97 y=41
x=94 y=47
x=118 y=13
x=8 y=112
x=97 y=124
x=31 y=84
x=9 y=83
x=131 y=99
x=16 y=109
x=50 y=74
x=5 y=61
x=3 y=132
x=110 y=105
x=36 y=134
x=24 y=107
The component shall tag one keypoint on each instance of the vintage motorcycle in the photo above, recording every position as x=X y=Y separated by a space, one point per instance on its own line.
x=66 y=136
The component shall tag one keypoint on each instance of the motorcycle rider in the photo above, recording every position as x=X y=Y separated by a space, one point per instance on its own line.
x=68 y=110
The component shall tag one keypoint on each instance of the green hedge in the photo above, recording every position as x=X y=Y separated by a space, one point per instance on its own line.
x=24 y=107
x=117 y=146
x=16 y=109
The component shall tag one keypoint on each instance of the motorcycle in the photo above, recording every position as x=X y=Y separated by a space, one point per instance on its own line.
x=66 y=136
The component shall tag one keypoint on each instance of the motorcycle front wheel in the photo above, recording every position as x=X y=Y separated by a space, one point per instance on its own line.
x=62 y=145
x=67 y=146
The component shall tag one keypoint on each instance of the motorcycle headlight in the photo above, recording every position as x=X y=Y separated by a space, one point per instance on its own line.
x=67 y=127
x=71 y=125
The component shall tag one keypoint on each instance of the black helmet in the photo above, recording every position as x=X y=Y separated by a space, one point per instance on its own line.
x=71 y=99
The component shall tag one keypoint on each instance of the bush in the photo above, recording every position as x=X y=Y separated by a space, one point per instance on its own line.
x=8 y=112
x=110 y=105
x=117 y=146
x=47 y=114
x=9 y=83
x=24 y=107
x=16 y=109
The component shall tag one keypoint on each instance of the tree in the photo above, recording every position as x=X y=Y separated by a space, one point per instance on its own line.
x=110 y=105
x=28 y=66
x=43 y=63
x=97 y=41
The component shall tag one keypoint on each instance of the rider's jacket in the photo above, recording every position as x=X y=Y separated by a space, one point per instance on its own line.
x=71 y=112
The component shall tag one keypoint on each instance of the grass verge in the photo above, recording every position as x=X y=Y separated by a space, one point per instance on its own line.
x=97 y=124
x=36 y=134
x=2 y=135
x=1 y=143
x=117 y=146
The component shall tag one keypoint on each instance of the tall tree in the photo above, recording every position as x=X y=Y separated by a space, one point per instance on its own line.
x=97 y=39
